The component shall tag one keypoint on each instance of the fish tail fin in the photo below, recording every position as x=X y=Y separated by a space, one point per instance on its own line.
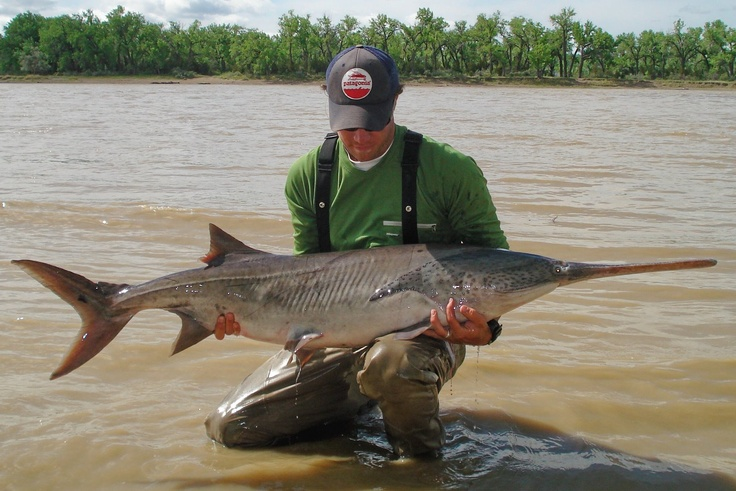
x=92 y=301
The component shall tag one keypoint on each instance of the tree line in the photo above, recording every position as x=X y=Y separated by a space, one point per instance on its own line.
x=124 y=43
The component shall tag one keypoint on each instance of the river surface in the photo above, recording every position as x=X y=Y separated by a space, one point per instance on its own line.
x=622 y=383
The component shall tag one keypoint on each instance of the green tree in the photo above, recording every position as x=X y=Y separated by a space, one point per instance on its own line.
x=583 y=36
x=684 y=44
x=295 y=36
x=87 y=39
x=327 y=38
x=563 y=23
x=603 y=53
x=125 y=36
x=519 y=38
x=214 y=53
x=55 y=40
x=153 y=50
x=173 y=35
x=349 y=34
x=409 y=49
x=653 y=54
x=457 y=44
x=381 y=31
x=720 y=41
x=33 y=60
x=254 y=53
x=487 y=32
x=22 y=33
x=184 y=46
x=430 y=37
x=628 y=56
x=541 y=54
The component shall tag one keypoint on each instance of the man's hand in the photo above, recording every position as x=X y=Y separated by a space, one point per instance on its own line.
x=473 y=331
x=226 y=325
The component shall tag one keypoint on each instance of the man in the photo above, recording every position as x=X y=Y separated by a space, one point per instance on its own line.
x=365 y=197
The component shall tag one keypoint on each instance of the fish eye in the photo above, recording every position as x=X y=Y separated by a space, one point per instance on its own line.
x=558 y=269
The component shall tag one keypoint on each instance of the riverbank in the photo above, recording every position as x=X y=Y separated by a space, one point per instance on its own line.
x=439 y=81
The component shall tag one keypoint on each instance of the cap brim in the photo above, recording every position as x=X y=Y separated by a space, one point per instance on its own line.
x=371 y=117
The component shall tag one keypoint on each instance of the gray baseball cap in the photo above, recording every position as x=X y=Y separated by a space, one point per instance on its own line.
x=362 y=82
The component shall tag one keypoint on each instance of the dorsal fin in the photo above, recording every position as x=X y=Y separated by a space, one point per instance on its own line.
x=222 y=244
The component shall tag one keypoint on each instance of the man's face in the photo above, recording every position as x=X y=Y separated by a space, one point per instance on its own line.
x=363 y=145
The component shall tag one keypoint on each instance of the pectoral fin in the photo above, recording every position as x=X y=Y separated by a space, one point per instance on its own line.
x=298 y=347
x=411 y=333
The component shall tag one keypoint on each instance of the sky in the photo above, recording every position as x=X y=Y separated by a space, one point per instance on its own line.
x=613 y=16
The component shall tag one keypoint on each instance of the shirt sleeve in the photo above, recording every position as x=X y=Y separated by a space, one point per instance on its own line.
x=472 y=212
x=458 y=189
x=299 y=191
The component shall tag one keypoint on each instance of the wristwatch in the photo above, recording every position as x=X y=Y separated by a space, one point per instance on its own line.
x=495 y=328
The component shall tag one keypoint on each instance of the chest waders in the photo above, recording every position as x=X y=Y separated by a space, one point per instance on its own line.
x=409 y=166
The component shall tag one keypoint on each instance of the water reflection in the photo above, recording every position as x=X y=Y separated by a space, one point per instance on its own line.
x=485 y=450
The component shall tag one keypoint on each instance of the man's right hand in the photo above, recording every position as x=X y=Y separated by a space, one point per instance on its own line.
x=226 y=325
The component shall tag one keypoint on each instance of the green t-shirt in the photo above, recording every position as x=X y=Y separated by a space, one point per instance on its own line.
x=453 y=202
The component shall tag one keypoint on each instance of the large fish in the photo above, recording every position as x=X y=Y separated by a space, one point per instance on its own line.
x=337 y=299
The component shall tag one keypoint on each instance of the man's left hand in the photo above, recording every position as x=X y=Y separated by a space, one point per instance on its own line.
x=473 y=331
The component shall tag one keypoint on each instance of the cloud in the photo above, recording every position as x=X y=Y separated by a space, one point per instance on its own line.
x=11 y=8
x=187 y=11
x=614 y=17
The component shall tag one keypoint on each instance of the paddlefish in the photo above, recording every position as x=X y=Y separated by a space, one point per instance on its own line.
x=313 y=301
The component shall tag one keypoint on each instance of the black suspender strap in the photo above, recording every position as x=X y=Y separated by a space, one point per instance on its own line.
x=409 y=166
x=323 y=190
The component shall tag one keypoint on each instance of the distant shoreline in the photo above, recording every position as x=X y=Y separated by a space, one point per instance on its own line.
x=425 y=81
